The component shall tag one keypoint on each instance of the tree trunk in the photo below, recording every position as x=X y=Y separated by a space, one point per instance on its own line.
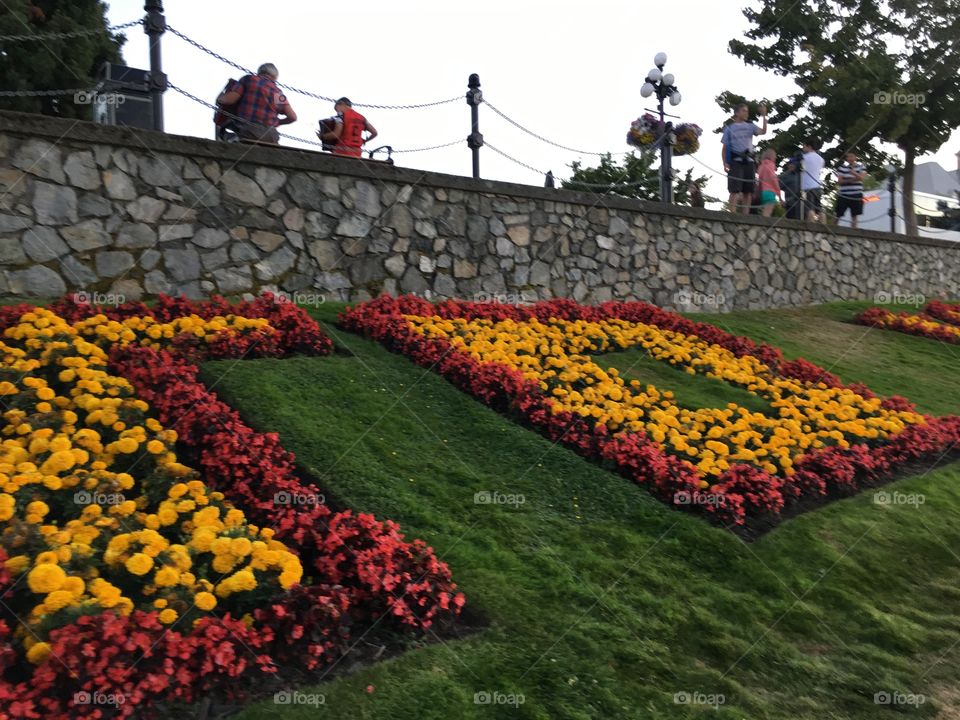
x=909 y=212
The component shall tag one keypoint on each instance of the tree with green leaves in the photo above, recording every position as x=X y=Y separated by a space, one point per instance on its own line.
x=866 y=70
x=636 y=177
x=47 y=63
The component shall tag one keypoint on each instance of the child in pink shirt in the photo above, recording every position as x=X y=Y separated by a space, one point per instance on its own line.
x=769 y=182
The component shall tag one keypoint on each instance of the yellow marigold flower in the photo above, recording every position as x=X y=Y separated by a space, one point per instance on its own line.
x=74 y=585
x=221 y=546
x=139 y=564
x=46 y=393
x=167 y=576
x=38 y=653
x=224 y=563
x=289 y=578
x=38 y=507
x=205 y=601
x=7 y=504
x=160 y=603
x=59 y=444
x=17 y=564
x=125 y=605
x=203 y=539
x=58 y=599
x=127 y=445
x=240 y=547
x=167 y=515
x=168 y=616
x=179 y=489
x=45 y=578
x=127 y=507
x=155 y=447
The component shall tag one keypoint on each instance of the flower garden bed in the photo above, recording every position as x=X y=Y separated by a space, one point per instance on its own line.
x=937 y=321
x=130 y=579
x=743 y=469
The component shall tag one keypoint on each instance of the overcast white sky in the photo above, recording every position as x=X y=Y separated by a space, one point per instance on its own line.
x=570 y=71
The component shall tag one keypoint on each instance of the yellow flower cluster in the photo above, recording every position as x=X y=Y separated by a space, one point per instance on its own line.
x=557 y=354
x=95 y=509
x=145 y=330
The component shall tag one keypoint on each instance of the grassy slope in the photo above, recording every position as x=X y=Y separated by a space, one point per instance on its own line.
x=601 y=601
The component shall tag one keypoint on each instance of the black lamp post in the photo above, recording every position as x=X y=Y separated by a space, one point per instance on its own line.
x=154 y=26
x=661 y=84
x=892 y=191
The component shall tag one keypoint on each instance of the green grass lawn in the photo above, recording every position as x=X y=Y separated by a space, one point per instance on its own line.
x=600 y=601
x=690 y=391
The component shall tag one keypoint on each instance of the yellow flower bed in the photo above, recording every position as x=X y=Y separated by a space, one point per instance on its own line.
x=145 y=330
x=556 y=354
x=95 y=509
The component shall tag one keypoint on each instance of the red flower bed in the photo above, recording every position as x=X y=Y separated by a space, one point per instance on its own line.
x=358 y=571
x=742 y=493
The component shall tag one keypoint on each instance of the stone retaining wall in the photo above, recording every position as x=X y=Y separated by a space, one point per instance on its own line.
x=112 y=210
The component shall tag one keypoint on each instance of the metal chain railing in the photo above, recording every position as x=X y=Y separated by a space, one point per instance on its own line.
x=608 y=186
x=432 y=147
x=68 y=35
x=513 y=159
x=208 y=51
x=307 y=93
x=541 y=138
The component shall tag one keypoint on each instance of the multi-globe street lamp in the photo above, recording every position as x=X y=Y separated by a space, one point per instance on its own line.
x=662 y=85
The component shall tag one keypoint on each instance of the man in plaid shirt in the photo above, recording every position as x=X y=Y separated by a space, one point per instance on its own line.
x=259 y=103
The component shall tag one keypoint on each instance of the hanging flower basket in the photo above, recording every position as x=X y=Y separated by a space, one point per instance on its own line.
x=687 y=139
x=645 y=131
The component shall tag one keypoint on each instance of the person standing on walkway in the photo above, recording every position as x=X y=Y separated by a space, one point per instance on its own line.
x=738 y=161
x=850 y=176
x=790 y=184
x=769 y=182
x=348 y=133
x=260 y=105
x=810 y=184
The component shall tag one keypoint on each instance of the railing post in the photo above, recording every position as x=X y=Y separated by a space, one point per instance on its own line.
x=892 y=191
x=154 y=26
x=475 y=139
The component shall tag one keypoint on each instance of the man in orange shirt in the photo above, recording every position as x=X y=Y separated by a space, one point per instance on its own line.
x=348 y=133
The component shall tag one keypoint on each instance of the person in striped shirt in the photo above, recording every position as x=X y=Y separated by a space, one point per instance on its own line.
x=850 y=176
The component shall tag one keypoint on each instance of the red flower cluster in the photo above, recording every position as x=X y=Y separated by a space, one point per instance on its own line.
x=742 y=492
x=109 y=665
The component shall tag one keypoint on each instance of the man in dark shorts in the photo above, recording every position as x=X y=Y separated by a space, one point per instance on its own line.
x=850 y=177
x=259 y=103
x=738 y=160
